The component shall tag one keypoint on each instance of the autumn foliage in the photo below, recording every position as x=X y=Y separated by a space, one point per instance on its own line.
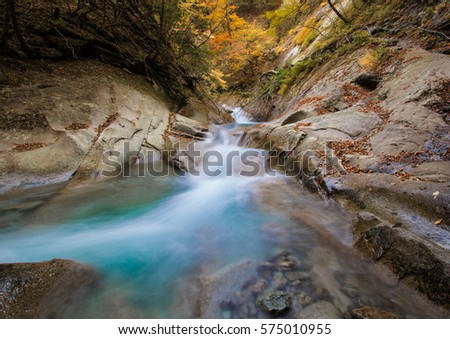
x=236 y=46
x=212 y=41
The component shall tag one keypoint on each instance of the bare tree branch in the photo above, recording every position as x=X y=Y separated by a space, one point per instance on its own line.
x=335 y=10
x=431 y=31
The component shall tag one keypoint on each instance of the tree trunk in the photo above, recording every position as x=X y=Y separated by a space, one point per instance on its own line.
x=343 y=18
x=10 y=7
x=162 y=18
x=4 y=40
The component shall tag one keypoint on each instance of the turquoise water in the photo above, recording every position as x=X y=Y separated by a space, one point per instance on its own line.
x=145 y=245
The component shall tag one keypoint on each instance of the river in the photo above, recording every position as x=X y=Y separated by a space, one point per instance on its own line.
x=203 y=246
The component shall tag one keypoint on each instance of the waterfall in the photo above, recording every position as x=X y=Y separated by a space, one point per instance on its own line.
x=239 y=115
x=221 y=156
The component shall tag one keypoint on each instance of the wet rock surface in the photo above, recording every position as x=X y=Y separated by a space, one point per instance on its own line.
x=274 y=302
x=425 y=266
x=367 y=312
x=398 y=228
x=51 y=289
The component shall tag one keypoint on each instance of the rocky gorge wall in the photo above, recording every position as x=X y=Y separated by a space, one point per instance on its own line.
x=377 y=142
x=58 y=119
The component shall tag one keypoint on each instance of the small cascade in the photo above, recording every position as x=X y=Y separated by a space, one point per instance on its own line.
x=220 y=155
x=239 y=115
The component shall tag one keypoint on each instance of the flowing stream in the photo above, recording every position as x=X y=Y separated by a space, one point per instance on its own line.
x=202 y=246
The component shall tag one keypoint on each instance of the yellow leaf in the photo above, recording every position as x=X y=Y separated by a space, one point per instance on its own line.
x=438 y=222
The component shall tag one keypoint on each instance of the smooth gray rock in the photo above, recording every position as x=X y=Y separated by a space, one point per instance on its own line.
x=320 y=310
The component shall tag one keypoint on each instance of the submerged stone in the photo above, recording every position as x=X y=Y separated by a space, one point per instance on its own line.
x=49 y=289
x=320 y=310
x=368 y=312
x=274 y=302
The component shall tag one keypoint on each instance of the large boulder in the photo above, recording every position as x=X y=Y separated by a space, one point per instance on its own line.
x=404 y=225
x=63 y=119
x=50 y=289
x=74 y=113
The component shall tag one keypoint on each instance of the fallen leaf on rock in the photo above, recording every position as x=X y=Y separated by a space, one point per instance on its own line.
x=435 y=194
x=75 y=126
x=28 y=146
x=438 y=222
x=298 y=126
x=300 y=103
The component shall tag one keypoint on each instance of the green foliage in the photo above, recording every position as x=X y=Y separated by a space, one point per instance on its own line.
x=361 y=38
x=284 y=18
x=298 y=72
x=273 y=84
x=310 y=38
